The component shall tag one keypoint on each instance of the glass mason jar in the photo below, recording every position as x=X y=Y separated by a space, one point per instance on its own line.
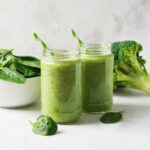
x=61 y=85
x=97 y=78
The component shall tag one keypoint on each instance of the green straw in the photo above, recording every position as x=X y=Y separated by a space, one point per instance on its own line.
x=77 y=38
x=44 y=45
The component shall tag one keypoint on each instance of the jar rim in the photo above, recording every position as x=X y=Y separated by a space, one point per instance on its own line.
x=60 y=53
x=95 y=49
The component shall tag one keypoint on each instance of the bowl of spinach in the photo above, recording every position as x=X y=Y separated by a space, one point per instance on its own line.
x=19 y=79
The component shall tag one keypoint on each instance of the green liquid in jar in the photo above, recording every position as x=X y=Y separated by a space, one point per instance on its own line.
x=97 y=83
x=61 y=90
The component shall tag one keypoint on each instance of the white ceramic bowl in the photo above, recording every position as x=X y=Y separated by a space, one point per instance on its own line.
x=14 y=95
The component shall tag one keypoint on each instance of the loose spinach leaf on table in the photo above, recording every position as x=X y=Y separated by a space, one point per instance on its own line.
x=7 y=74
x=111 y=117
x=44 y=125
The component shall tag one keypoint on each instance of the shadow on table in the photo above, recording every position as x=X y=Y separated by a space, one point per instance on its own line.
x=88 y=119
x=132 y=113
x=127 y=92
x=33 y=107
x=36 y=106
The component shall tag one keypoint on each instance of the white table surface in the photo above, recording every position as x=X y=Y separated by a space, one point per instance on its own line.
x=132 y=133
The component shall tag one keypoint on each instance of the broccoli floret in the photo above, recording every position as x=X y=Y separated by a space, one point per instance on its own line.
x=129 y=66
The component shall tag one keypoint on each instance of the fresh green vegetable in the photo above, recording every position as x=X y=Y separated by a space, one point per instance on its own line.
x=27 y=71
x=10 y=75
x=77 y=38
x=44 y=125
x=28 y=61
x=4 y=53
x=111 y=117
x=129 y=66
x=17 y=68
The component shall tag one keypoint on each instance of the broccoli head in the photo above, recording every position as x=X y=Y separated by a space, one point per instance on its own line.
x=129 y=66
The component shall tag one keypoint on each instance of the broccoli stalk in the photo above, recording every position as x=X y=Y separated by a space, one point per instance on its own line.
x=129 y=66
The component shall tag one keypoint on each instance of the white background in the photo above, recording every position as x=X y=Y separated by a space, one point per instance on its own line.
x=94 y=20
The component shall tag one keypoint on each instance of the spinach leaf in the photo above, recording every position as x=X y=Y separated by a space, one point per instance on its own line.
x=44 y=125
x=6 y=62
x=28 y=61
x=11 y=66
x=111 y=117
x=7 y=74
x=4 y=53
x=27 y=71
x=17 y=68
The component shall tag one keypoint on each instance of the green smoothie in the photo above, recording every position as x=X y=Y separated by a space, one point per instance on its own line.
x=61 y=89
x=97 y=83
